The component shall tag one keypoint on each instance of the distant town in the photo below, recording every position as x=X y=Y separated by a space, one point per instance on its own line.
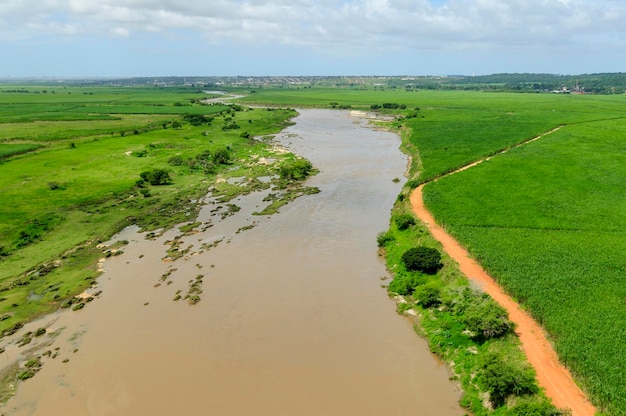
x=603 y=83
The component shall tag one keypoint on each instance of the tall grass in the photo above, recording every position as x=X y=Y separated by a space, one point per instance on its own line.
x=8 y=150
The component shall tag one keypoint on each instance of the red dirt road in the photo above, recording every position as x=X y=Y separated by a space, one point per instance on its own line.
x=551 y=374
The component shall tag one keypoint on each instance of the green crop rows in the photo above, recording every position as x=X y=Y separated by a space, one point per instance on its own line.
x=547 y=219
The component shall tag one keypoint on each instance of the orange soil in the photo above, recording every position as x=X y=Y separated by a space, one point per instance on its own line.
x=551 y=374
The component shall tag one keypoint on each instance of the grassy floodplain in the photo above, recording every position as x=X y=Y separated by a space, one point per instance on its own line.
x=546 y=219
x=70 y=166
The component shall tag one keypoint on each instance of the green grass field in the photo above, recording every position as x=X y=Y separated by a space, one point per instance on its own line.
x=547 y=219
x=13 y=149
x=70 y=163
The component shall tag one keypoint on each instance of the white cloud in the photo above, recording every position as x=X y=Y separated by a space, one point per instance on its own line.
x=119 y=32
x=329 y=24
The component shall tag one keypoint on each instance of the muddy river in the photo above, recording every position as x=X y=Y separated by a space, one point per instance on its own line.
x=291 y=318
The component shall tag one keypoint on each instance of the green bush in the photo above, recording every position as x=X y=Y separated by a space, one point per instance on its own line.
x=428 y=295
x=196 y=119
x=486 y=319
x=422 y=259
x=530 y=407
x=383 y=238
x=175 y=161
x=405 y=285
x=156 y=177
x=222 y=157
x=502 y=378
x=203 y=161
x=404 y=221
x=295 y=170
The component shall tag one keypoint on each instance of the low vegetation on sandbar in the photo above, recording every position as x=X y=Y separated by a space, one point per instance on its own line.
x=77 y=164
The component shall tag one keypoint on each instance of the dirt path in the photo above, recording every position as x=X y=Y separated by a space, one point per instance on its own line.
x=551 y=374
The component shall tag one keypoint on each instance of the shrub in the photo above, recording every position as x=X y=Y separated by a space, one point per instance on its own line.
x=156 y=177
x=422 y=259
x=222 y=157
x=529 y=407
x=413 y=183
x=195 y=119
x=428 y=295
x=295 y=170
x=404 y=221
x=175 y=161
x=383 y=238
x=502 y=378
x=486 y=319
x=405 y=285
x=230 y=125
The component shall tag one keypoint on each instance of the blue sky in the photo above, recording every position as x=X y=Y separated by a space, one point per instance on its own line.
x=110 y=38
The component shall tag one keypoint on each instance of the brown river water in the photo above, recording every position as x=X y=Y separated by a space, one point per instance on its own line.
x=292 y=318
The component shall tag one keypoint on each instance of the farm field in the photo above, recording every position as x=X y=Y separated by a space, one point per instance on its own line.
x=545 y=219
x=76 y=166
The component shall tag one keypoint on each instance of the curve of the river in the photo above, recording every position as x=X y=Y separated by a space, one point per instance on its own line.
x=557 y=381
x=292 y=318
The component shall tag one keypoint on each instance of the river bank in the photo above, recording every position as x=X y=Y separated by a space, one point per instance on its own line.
x=449 y=308
x=291 y=316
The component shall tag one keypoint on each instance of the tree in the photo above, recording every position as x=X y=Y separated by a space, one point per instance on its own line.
x=422 y=259
x=156 y=177
x=502 y=378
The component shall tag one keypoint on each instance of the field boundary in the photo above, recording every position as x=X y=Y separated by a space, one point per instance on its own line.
x=552 y=376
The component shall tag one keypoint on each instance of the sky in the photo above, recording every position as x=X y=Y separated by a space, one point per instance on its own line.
x=126 y=38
